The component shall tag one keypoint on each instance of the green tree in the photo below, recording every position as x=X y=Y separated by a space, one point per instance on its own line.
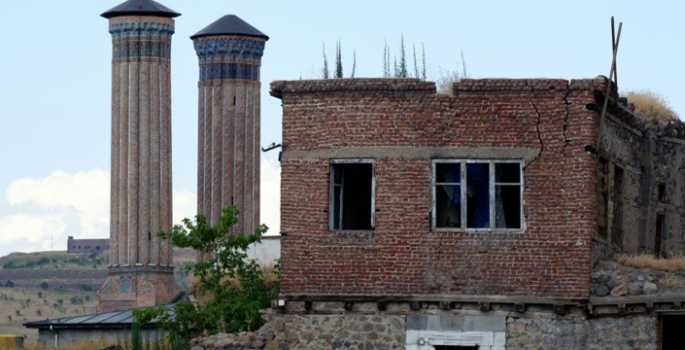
x=44 y=285
x=324 y=70
x=401 y=67
x=235 y=288
x=338 y=61
x=354 y=63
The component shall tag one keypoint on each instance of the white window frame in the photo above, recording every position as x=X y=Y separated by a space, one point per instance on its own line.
x=331 y=191
x=462 y=186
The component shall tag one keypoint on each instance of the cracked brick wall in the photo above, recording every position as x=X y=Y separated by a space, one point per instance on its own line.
x=403 y=124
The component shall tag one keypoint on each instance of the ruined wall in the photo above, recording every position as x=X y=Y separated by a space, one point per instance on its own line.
x=644 y=162
x=403 y=125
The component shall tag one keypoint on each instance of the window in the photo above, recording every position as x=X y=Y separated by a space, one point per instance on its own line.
x=603 y=198
x=469 y=194
x=352 y=193
x=661 y=192
x=658 y=233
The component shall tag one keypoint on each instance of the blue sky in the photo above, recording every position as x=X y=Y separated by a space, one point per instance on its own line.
x=55 y=81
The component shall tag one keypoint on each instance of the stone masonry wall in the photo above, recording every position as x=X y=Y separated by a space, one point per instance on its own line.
x=382 y=332
x=625 y=333
x=316 y=332
x=403 y=125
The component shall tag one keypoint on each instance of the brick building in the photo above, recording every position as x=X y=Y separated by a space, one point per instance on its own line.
x=428 y=221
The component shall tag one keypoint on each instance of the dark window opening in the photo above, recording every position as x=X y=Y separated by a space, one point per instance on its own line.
x=149 y=235
x=455 y=347
x=235 y=100
x=661 y=192
x=448 y=195
x=618 y=206
x=671 y=332
x=477 y=195
x=352 y=196
x=97 y=248
x=658 y=232
x=508 y=195
x=602 y=198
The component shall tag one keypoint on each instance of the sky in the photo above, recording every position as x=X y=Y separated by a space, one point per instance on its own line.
x=55 y=82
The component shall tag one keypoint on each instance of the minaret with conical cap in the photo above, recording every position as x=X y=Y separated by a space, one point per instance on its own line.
x=141 y=265
x=230 y=52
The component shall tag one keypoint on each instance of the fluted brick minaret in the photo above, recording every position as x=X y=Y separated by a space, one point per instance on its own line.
x=141 y=265
x=230 y=52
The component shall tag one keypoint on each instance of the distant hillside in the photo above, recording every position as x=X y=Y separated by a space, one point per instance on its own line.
x=54 y=284
x=61 y=271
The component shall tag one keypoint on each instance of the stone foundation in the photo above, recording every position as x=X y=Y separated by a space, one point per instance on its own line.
x=418 y=331
x=633 y=332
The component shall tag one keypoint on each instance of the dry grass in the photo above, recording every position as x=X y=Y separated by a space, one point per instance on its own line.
x=672 y=283
x=269 y=272
x=84 y=345
x=651 y=106
x=648 y=261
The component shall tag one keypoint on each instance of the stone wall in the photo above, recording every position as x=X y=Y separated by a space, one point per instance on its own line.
x=640 y=197
x=402 y=124
x=629 y=333
x=423 y=332
x=316 y=332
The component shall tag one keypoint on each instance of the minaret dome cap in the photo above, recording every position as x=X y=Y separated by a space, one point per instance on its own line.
x=230 y=25
x=141 y=8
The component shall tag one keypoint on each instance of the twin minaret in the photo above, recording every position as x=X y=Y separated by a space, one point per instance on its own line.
x=141 y=265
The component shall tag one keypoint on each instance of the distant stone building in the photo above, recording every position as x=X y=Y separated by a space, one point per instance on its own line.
x=87 y=246
x=141 y=264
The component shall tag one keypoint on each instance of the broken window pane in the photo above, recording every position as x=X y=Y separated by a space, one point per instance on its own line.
x=478 y=195
x=352 y=196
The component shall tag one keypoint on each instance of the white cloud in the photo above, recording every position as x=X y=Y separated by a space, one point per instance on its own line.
x=44 y=211
x=85 y=193
x=185 y=206
x=37 y=230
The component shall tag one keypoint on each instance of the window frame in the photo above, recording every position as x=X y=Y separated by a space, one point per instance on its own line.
x=491 y=191
x=331 y=191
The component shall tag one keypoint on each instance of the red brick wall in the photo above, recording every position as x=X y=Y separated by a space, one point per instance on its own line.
x=551 y=257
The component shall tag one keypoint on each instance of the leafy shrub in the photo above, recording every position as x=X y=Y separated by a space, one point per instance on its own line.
x=235 y=289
